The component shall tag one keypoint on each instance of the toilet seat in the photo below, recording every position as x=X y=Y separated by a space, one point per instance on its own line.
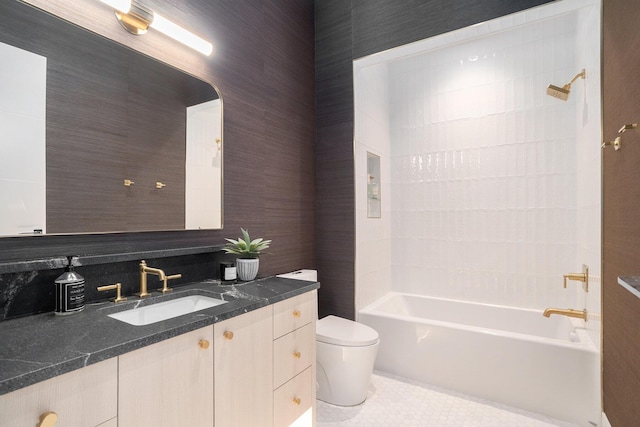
x=338 y=331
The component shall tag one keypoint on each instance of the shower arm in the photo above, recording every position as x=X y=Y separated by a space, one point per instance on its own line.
x=579 y=75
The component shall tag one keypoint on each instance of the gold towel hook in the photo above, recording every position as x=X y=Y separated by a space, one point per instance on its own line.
x=616 y=142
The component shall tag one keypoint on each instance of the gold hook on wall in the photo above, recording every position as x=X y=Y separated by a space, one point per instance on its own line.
x=616 y=142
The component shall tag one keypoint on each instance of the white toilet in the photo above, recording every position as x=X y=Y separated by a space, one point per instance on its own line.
x=345 y=355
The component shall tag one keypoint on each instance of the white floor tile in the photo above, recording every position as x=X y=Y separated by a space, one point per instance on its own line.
x=399 y=402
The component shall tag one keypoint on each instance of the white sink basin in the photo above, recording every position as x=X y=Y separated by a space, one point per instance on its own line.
x=166 y=310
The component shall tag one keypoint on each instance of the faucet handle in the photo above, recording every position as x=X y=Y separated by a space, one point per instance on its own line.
x=580 y=277
x=117 y=287
x=165 y=288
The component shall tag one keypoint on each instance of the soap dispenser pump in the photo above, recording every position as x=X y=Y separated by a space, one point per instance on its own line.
x=69 y=291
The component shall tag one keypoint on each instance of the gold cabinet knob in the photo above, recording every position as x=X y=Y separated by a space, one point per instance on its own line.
x=297 y=354
x=228 y=335
x=48 y=419
x=296 y=313
x=204 y=344
x=297 y=401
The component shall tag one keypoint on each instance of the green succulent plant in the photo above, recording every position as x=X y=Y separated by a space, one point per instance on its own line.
x=245 y=247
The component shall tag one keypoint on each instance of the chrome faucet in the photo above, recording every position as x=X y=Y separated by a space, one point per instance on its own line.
x=144 y=270
x=580 y=314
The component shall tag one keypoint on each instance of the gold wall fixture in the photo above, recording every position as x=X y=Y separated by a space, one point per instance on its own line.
x=137 y=19
x=128 y=183
x=562 y=93
x=160 y=185
x=569 y=312
x=218 y=141
x=118 y=288
x=579 y=277
x=616 y=142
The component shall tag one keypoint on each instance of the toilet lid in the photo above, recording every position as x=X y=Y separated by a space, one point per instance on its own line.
x=339 y=331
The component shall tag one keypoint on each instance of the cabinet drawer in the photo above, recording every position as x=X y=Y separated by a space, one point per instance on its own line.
x=85 y=397
x=292 y=353
x=293 y=313
x=293 y=400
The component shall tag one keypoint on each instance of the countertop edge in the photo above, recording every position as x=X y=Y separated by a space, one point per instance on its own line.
x=630 y=283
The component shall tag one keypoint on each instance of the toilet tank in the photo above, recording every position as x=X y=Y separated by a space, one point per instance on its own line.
x=310 y=275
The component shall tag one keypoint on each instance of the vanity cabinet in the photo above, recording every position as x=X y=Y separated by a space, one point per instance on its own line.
x=243 y=366
x=84 y=397
x=294 y=370
x=256 y=369
x=169 y=383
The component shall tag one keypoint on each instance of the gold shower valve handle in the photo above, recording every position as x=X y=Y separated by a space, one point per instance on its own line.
x=128 y=183
x=48 y=419
x=160 y=184
x=218 y=141
x=579 y=277
x=228 y=335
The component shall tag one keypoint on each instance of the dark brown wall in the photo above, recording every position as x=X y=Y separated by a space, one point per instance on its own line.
x=347 y=30
x=263 y=66
x=621 y=218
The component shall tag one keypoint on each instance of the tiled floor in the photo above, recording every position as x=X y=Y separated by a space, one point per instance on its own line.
x=398 y=402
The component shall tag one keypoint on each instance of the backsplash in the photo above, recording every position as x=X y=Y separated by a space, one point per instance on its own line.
x=31 y=290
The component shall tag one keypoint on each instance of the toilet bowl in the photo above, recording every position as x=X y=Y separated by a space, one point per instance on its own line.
x=345 y=355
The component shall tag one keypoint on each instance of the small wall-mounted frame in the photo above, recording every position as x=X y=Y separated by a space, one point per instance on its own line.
x=373 y=186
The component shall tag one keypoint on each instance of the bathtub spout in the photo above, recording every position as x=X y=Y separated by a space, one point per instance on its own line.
x=580 y=314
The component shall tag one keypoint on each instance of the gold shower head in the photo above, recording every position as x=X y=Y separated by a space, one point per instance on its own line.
x=563 y=92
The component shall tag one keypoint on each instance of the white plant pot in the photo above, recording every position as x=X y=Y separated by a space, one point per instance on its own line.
x=247 y=269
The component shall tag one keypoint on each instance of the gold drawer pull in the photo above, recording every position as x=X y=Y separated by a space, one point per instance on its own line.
x=228 y=335
x=48 y=419
x=297 y=401
x=204 y=344
x=296 y=313
x=297 y=354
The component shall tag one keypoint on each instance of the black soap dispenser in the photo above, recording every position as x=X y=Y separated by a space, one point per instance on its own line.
x=69 y=291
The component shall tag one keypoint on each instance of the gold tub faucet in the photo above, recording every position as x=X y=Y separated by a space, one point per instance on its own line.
x=144 y=270
x=580 y=314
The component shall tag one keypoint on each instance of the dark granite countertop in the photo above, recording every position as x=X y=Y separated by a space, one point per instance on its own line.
x=39 y=347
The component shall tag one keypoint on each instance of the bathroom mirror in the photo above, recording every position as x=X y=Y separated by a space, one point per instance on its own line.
x=122 y=142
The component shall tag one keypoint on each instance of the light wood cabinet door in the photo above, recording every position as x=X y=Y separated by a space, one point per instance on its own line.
x=85 y=397
x=169 y=383
x=244 y=370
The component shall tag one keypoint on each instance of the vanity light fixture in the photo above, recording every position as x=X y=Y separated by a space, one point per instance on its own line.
x=137 y=19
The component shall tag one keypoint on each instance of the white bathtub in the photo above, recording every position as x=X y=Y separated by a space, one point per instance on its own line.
x=508 y=355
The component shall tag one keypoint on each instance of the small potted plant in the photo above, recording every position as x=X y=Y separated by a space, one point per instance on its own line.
x=248 y=252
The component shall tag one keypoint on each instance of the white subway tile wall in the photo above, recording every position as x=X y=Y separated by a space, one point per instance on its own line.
x=492 y=190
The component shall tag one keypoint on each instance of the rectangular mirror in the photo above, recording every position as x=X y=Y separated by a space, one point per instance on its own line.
x=96 y=137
